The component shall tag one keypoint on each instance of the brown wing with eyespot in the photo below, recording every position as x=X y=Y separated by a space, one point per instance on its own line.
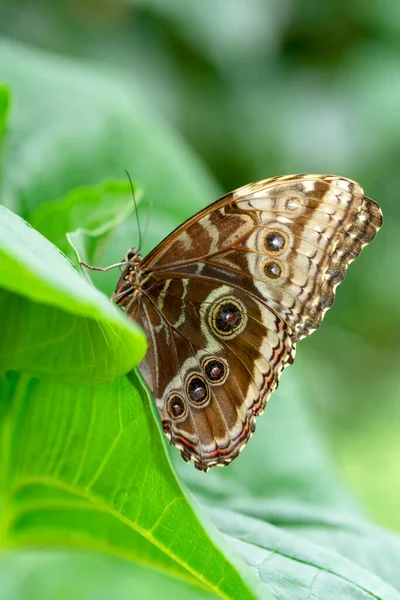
x=287 y=240
x=215 y=356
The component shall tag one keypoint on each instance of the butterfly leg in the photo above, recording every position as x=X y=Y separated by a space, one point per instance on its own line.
x=120 y=264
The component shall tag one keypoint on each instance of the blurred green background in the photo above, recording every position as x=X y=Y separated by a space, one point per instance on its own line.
x=266 y=87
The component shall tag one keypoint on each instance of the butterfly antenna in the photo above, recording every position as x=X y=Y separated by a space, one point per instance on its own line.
x=136 y=209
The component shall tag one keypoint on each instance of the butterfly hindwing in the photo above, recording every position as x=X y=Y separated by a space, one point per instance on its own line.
x=221 y=372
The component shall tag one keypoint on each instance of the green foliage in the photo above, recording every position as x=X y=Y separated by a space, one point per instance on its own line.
x=86 y=477
x=93 y=473
x=53 y=323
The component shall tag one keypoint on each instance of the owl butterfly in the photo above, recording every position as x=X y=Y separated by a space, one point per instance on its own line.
x=225 y=298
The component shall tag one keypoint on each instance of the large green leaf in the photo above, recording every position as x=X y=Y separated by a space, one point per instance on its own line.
x=93 y=473
x=53 y=322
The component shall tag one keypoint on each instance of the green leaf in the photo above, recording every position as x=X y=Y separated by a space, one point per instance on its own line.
x=368 y=546
x=86 y=215
x=97 y=476
x=53 y=322
x=293 y=567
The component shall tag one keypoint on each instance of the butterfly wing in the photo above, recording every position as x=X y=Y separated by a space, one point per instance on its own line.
x=288 y=240
x=269 y=256
x=215 y=355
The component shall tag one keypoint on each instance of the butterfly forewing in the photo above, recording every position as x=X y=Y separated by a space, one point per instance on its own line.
x=227 y=295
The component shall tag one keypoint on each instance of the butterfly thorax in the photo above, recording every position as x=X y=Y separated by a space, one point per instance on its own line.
x=130 y=282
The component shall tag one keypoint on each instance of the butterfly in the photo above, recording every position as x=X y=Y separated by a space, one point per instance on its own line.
x=225 y=298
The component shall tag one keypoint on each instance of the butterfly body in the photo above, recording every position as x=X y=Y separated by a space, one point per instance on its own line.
x=225 y=298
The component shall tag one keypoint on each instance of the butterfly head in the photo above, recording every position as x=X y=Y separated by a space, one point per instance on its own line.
x=133 y=257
